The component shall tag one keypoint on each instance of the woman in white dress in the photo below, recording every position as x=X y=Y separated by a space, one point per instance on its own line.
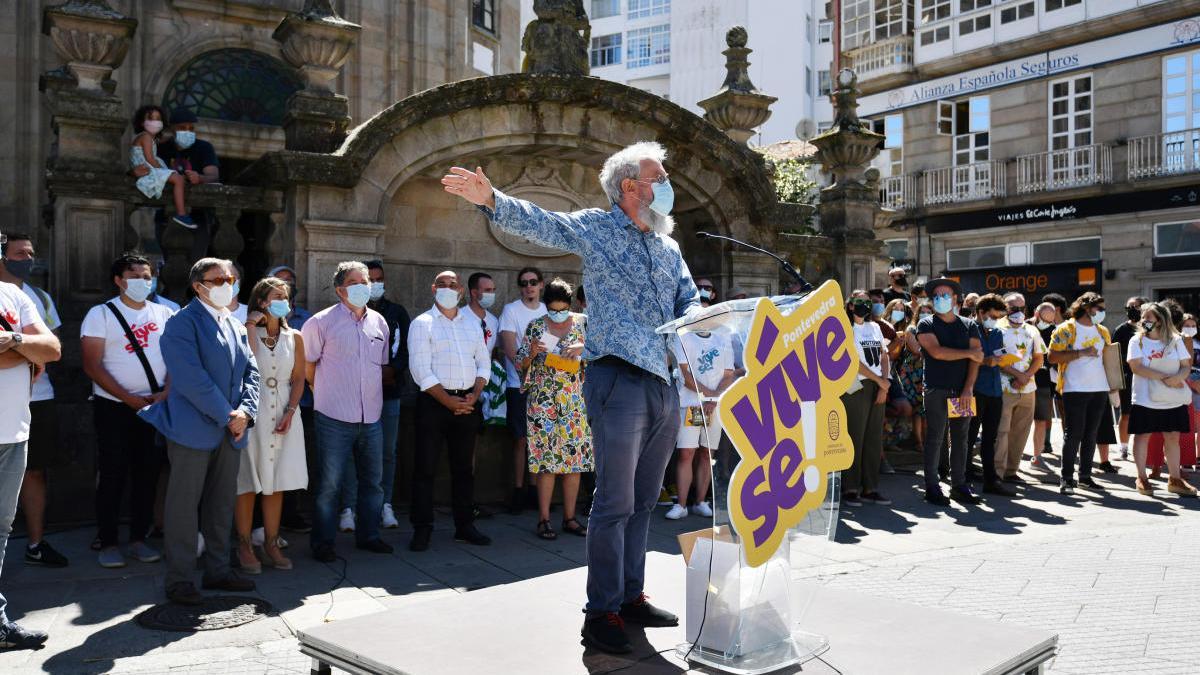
x=274 y=460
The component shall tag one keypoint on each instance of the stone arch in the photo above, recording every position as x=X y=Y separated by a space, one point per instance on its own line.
x=155 y=81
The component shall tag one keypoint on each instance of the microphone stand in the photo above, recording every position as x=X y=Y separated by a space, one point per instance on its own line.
x=787 y=266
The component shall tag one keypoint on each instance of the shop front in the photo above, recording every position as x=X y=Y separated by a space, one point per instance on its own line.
x=1034 y=281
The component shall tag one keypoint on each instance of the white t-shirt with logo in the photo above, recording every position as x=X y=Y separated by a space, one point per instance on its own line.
x=20 y=312
x=1023 y=341
x=1086 y=374
x=516 y=317
x=869 y=340
x=119 y=358
x=708 y=357
x=43 y=390
x=1148 y=349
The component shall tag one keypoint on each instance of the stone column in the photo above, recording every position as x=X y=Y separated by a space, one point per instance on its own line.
x=316 y=41
x=85 y=172
x=738 y=108
x=849 y=209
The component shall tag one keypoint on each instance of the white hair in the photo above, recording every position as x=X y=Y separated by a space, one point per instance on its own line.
x=627 y=163
x=1014 y=294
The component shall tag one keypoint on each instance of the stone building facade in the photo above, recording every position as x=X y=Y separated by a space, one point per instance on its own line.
x=1043 y=146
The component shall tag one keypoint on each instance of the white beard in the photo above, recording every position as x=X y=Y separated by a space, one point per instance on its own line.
x=659 y=223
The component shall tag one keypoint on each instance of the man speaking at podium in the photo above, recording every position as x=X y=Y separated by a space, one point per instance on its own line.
x=636 y=280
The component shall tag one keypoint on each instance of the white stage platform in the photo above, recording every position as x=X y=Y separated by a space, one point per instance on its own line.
x=532 y=627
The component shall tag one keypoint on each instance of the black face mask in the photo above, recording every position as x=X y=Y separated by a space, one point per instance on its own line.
x=1133 y=313
x=1147 y=326
x=902 y=281
x=861 y=311
x=20 y=269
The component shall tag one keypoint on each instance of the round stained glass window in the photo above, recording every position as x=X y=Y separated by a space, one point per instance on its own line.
x=235 y=85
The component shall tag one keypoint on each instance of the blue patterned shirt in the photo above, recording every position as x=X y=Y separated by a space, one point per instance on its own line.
x=636 y=281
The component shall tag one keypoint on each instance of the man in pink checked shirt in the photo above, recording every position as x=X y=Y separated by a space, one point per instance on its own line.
x=347 y=346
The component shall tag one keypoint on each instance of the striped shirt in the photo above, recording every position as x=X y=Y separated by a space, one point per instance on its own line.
x=448 y=352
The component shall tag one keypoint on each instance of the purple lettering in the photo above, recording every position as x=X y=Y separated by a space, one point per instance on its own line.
x=774 y=399
x=786 y=478
x=755 y=505
x=806 y=382
x=830 y=339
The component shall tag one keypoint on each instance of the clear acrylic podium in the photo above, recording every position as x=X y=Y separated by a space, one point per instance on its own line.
x=741 y=618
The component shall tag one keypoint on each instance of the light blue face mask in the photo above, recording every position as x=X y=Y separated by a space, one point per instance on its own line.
x=559 y=316
x=185 y=139
x=1098 y=317
x=279 y=308
x=137 y=290
x=897 y=315
x=358 y=294
x=942 y=304
x=664 y=198
x=237 y=288
x=153 y=285
x=877 y=308
x=446 y=298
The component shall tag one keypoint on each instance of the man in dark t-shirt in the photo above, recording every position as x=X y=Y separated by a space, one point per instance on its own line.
x=896 y=290
x=1122 y=335
x=953 y=352
x=197 y=161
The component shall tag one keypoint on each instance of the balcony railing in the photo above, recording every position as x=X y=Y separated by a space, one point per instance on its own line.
x=1066 y=168
x=898 y=192
x=968 y=182
x=1166 y=154
x=887 y=57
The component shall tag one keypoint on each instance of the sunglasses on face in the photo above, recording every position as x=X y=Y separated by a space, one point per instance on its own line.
x=526 y=283
x=220 y=281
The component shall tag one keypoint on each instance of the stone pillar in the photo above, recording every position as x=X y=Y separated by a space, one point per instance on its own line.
x=316 y=41
x=88 y=161
x=737 y=108
x=849 y=209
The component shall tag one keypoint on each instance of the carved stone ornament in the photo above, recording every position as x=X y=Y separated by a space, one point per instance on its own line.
x=91 y=37
x=543 y=186
x=317 y=42
x=847 y=148
x=557 y=41
x=738 y=108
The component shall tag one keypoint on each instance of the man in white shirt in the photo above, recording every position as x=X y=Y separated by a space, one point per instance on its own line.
x=121 y=385
x=1019 y=390
x=450 y=364
x=43 y=450
x=26 y=346
x=513 y=321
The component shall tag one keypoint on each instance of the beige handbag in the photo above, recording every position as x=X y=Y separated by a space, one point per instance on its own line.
x=1112 y=367
x=1159 y=391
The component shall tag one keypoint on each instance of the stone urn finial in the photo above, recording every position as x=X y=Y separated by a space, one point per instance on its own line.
x=91 y=37
x=557 y=40
x=847 y=148
x=737 y=108
x=317 y=42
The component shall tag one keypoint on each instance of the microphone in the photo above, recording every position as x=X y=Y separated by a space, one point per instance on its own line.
x=787 y=266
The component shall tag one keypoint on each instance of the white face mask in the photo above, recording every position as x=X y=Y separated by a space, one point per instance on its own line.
x=486 y=300
x=221 y=296
x=152 y=126
x=446 y=298
x=1189 y=331
x=138 y=290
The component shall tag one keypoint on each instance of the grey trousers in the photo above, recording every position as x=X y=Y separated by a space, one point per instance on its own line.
x=864 y=423
x=202 y=482
x=939 y=425
x=12 y=472
x=634 y=418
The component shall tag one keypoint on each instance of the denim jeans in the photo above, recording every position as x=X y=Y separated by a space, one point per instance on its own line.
x=634 y=418
x=336 y=442
x=391 y=430
x=12 y=471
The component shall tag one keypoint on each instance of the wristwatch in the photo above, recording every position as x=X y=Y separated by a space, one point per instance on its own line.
x=18 y=339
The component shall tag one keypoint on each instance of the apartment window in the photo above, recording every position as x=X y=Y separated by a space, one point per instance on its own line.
x=891 y=159
x=973 y=258
x=934 y=10
x=1181 y=91
x=605 y=8
x=606 y=50
x=965 y=6
x=1017 y=13
x=935 y=35
x=641 y=9
x=1066 y=250
x=825 y=32
x=972 y=131
x=823 y=86
x=892 y=19
x=1177 y=238
x=648 y=46
x=975 y=24
x=1052 y=5
x=808 y=80
x=856 y=23
x=483 y=14
x=1071 y=112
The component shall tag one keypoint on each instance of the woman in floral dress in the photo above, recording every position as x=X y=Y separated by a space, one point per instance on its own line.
x=560 y=441
x=911 y=371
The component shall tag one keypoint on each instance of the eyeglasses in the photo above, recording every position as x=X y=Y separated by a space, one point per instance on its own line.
x=526 y=283
x=221 y=281
x=660 y=180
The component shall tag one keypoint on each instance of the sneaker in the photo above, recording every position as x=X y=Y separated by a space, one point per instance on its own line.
x=1089 y=482
x=480 y=513
x=257 y=536
x=42 y=554
x=185 y=221
x=470 y=535
x=997 y=488
x=110 y=557
x=963 y=495
x=937 y=499
x=676 y=512
x=144 y=553
x=1038 y=463
x=642 y=613
x=885 y=467
x=850 y=499
x=346 y=521
x=1124 y=450
x=702 y=509
x=1107 y=467
x=13 y=636
x=388 y=518
x=606 y=632
x=664 y=497
x=876 y=498
x=1065 y=487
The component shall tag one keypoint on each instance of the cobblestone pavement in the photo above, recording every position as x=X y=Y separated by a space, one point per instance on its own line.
x=1114 y=574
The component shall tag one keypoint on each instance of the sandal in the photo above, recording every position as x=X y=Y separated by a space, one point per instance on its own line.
x=544 y=531
x=579 y=530
x=275 y=559
x=253 y=566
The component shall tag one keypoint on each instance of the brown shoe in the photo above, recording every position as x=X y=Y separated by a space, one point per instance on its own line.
x=1180 y=487
x=248 y=563
x=1143 y=487
x=273 y=557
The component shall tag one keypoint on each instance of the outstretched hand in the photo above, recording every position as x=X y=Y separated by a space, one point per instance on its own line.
x=471 y=186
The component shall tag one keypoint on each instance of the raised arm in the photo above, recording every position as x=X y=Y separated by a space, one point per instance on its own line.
x=561 y=231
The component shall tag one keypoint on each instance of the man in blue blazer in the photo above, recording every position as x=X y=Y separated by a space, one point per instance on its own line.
x=211 y=401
